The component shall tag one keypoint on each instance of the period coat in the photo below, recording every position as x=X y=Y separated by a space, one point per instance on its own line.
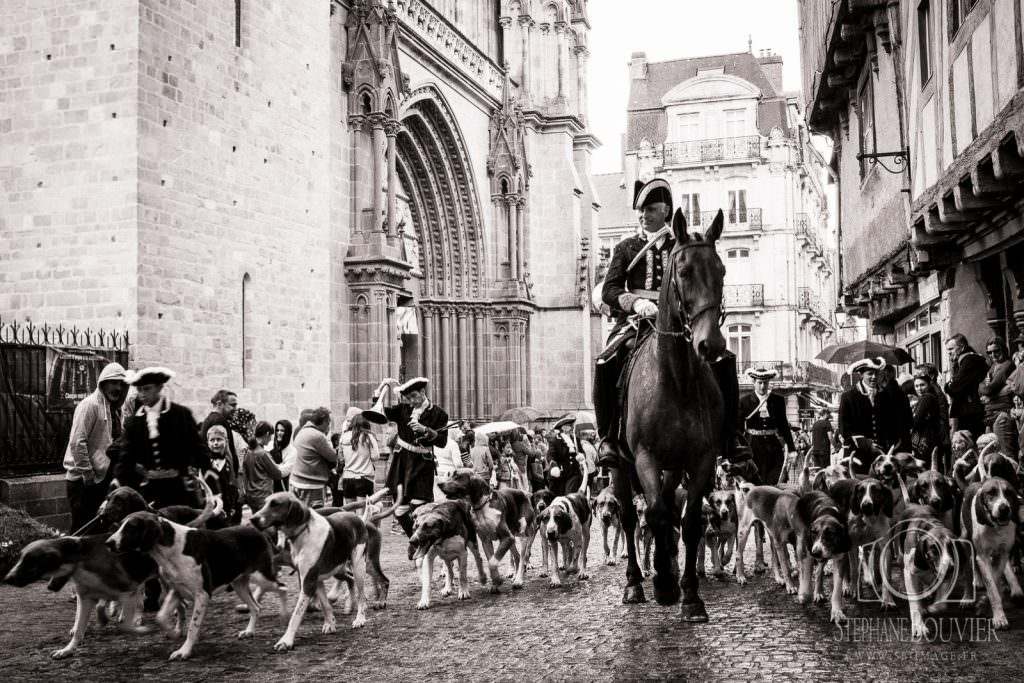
x=622 y=287
x=767 y=429
x=412 y=461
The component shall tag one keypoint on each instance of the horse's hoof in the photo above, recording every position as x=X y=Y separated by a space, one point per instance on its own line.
x=633 y=595
x=693 y=612
x=666 y=590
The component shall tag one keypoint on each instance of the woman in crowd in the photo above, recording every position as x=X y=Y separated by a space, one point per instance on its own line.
x=259 y=471
x=927 y=431
x=1009 y=428
x=360 y=450
x=523 y=450
x=506 y=473
x=448 y=458
x=283 y=453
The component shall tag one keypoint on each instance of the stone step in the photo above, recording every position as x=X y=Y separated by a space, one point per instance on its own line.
x=43 y=497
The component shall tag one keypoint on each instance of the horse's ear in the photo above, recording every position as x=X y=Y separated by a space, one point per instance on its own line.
x=679 y=227
x=717 y=225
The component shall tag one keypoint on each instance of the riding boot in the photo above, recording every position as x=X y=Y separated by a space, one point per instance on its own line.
x=606 y=404
x=734 y=447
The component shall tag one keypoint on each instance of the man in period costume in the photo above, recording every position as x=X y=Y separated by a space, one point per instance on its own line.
x=565 y=453
x=865 y=411
x=160 y=441
x=763 y=420
x=631 y=289
x=422 y=426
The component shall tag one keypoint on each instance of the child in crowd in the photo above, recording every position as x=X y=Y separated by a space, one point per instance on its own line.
x=259 y=471
x=220 y=477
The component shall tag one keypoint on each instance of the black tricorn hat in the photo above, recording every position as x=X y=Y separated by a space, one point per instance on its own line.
x=655 y=190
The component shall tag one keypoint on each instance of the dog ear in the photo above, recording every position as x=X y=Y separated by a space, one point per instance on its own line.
x=297 y=514
x=981 y=510
x=856 y=496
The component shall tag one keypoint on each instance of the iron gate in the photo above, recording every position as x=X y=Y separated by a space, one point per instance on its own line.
x=45 y=371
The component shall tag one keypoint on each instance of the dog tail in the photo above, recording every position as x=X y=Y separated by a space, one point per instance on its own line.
x=364 y=503
x=389 y=511
x=935 y=459
x=903 y=488
x=208 y=510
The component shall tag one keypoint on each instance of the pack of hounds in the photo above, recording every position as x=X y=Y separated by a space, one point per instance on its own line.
x=194 y=553
x=941 y=536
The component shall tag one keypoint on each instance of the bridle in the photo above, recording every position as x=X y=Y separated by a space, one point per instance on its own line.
x=687 y=319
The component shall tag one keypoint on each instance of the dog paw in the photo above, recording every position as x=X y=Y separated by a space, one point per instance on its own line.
x=463 y=595
x=792 y=590
x=283 y=645
x=848 y=592
x=423 y=604
x=138 y=630
x=760 y=567
x=819 y=598
x=446 y=592
x=510 y=575
x=1017 y=598
x=543 y=573
x=359 y=621
x=242 y=635
x=802 y=598
x=517 y=584
x=718 y=573
x=611 y=561
x=741 y=579
x=179 y=655
x=62 y=653
x=329 y=627
x=646 y=573
x=583 y=575
x=837 y=616
x=561 y=567
x=918 y=630
x=888 y=604
x=554 y=583
x=624 y=555
x=494 y=590
x=1000 y=623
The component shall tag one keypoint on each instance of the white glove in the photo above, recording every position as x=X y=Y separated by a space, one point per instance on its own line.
x=645 y=308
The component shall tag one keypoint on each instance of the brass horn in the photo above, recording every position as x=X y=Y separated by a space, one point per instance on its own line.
x=376 y=413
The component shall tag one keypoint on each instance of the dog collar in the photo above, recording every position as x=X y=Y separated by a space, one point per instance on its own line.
x=302 y=529
x=483 y=503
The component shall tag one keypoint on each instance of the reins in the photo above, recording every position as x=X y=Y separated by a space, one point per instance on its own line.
x=685 y=318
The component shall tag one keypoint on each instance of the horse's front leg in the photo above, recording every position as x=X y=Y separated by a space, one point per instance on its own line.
x=698 y=487
x=634 y=592
x=660 y=517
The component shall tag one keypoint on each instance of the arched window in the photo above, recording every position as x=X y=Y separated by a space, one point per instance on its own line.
x=247 y=336
x=739 y=343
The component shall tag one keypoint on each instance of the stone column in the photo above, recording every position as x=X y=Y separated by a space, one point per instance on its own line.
x=542 y=77
x=429 y=343
x=512 y=220
x=377 y=123
x=391 y=130
x=506 y=35
x=582 y=54
x=480 y=371
x=524 y=385
x=520 y=228
x=525 y=24
x=563 y=59
x=445 y=384
x=463 y=364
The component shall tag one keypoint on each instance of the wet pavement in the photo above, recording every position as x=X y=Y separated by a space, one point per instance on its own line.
x=579 y=632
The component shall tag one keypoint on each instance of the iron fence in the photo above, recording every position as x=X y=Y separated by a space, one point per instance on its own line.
x=45 y=371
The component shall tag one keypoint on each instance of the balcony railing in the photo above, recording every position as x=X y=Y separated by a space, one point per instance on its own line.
x=800 y=372
x=743 y=296
x=807 y=233
x=712 y=149
x=808 y=301
x=735 y=219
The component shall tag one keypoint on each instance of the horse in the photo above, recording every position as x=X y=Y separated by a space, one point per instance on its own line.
x=674 y=418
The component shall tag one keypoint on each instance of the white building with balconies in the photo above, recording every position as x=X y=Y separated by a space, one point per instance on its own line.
x=723 y=133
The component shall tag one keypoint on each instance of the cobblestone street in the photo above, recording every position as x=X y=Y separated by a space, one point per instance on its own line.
x=579 y=632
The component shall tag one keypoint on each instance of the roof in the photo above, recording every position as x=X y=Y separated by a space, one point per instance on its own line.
x=646 y=114
x=616 y=201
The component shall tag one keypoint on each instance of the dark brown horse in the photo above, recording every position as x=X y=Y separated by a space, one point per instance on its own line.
x=674 y=417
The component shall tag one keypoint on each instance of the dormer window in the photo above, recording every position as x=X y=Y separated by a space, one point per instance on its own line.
x=713 y=71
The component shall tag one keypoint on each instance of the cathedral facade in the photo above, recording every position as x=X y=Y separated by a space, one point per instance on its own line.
x=296 y=200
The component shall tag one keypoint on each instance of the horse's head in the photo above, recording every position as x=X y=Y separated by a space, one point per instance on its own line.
x=694 y=294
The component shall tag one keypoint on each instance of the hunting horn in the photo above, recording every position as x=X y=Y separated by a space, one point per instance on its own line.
x=376 y=413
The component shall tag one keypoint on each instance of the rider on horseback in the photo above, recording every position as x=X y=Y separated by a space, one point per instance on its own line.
x=631 y=289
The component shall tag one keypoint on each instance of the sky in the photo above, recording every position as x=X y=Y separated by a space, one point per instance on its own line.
x=673 y=29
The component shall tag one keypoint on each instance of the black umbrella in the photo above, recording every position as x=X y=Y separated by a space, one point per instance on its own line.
x=845 y=354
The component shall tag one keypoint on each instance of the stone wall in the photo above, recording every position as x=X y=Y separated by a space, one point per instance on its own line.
x=68 y=162
x=233 y=176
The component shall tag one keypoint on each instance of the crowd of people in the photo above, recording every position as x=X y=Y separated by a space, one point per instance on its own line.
x=128 y=432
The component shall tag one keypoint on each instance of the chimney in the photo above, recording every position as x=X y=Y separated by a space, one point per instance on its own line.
x=771 y=66
x=638 y=66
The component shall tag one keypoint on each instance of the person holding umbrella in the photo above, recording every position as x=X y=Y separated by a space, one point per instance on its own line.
x=763 y=419
x=865 y=412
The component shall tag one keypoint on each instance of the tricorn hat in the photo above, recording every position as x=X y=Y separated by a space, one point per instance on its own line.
x=655 y=190
x=873 y=364
x=565 y=420
x=151 y=375
x=761 y=372
x=414 y=384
